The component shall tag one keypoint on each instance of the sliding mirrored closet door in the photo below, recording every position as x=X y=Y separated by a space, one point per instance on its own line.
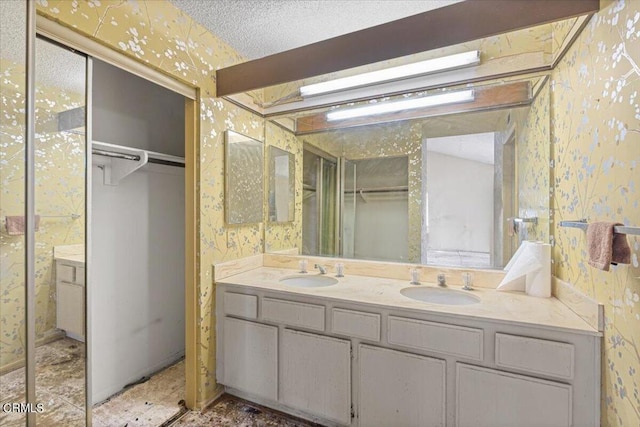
x=13 y=336
x=60 y=201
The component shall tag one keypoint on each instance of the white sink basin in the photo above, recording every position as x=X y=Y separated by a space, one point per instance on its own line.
x=440 y=295
x=315 y=281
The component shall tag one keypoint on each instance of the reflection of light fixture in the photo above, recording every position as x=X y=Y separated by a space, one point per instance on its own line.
x=408 y=104
x=394 y=73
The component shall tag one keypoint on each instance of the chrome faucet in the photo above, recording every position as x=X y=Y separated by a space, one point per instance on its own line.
x=442 y=281
x=321 y=268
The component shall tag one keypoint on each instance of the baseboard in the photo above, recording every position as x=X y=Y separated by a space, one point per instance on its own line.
x=50 y=336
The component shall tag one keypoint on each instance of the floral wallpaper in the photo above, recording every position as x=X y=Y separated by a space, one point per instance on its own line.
x=389 y=140
x=287 y=235
x=59 y=192
x=596 y=148
x=163 y=37
x=533 y=149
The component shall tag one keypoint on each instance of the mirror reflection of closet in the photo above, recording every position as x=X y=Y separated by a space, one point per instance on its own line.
x=60 y=179
x=281 y=196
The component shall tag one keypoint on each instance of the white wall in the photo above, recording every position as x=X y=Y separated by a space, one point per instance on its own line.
x=137 y=282
x=460 y=196
x=131 y=111
x=382 y=219
x=382 y=226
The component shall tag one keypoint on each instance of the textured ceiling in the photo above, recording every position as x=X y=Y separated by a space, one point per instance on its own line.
x=257 y=28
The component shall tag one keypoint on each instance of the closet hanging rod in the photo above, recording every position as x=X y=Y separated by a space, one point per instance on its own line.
x=72 y=216
x=402 y=189
x=133 y=157
x=582 y=224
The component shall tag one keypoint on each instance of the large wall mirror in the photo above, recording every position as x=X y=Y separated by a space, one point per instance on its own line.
x=457 y=189
x=244 y=177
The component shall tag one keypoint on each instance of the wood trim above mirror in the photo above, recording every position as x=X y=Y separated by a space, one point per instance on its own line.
x=446 y=26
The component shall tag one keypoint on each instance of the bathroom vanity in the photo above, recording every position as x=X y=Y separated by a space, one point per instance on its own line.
x=360 y=353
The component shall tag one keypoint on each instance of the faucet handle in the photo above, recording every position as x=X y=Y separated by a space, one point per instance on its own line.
x=339 y=269
x=442 y=280
x=321 y=268
x=467 y=281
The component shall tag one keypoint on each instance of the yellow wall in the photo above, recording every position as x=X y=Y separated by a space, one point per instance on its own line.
x=596 y=146
x=59 y=191
x=533 y=141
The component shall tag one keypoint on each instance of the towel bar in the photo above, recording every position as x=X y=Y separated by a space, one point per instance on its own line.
x=582 y=224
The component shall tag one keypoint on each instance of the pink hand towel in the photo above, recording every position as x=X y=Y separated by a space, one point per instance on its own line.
x=16 y=224
x=606 y=247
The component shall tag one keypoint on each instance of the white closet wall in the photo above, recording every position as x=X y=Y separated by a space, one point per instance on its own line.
x=137 y=277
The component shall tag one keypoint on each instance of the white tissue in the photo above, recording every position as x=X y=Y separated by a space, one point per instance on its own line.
x=529 y=270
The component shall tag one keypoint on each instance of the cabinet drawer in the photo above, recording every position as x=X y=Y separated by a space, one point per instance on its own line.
x=291 y=313
x=65 y=273
x=535 y=355
x=241 y=305
x=436 y=337
x=355 y=324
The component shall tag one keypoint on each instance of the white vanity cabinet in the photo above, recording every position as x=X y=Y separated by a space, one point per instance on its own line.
x=251 y=355
x=341 y=363
x=70 y=298
x=490 y=398
x=400 y=389
x=315 y=375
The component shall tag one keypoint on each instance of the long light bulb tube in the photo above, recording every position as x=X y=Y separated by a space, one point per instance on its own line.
x=401 y=72
x=408 y=104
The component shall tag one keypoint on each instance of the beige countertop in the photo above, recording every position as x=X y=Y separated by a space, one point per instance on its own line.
x=71 y=253
x=506 y=307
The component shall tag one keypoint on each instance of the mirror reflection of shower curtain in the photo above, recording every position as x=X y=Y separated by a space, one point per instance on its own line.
x=347 y=248
x=328 y=210
x=310 y=205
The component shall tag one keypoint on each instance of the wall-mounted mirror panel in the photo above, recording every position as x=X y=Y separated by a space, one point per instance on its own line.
x=439 y=190
x=13 y=339
x=281 y=195
x=244 y=177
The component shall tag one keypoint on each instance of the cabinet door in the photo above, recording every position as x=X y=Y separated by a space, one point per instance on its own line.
x=315 y=375
x=486 y=397
x=70 y=309
x=400 y=389
x=251 y=357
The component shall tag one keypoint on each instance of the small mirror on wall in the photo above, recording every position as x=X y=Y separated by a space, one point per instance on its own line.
x=244 y=171
x=281 y=185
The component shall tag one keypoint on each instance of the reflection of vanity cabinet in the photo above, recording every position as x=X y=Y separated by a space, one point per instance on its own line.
x=355 y=364
x=70 y=297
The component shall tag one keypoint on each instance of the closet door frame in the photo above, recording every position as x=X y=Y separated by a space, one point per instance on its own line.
x=69 y=38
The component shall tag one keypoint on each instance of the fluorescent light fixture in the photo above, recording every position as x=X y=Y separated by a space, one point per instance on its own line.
x=394 y=73
x=408 y=104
